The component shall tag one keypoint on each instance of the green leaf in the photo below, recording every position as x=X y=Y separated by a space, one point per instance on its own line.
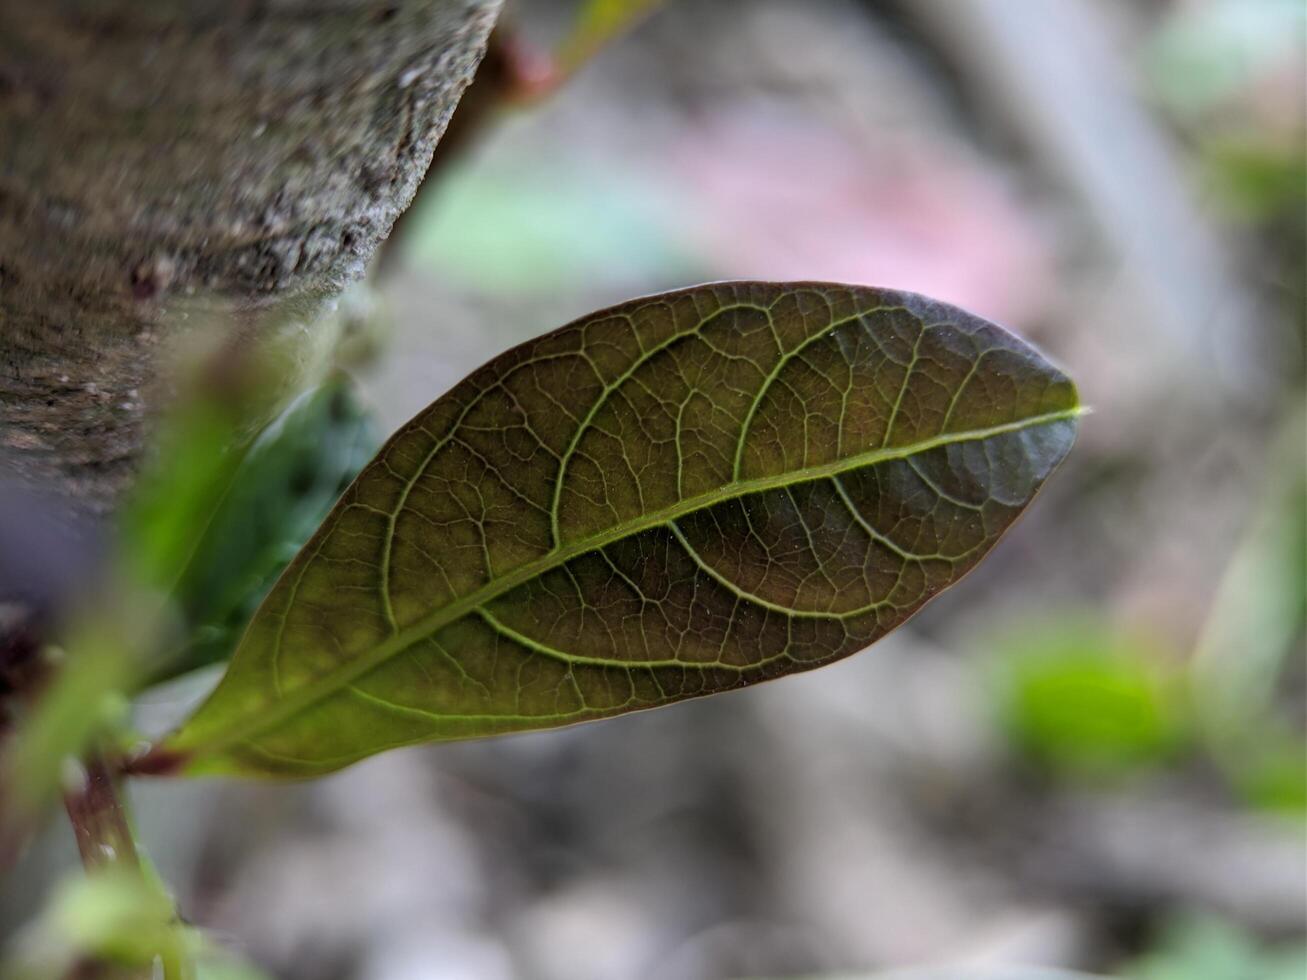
x=597 y=23
x=113 y=922
x=540 y=226
x=681 y=495
x=1196 y=947
x=281 y=490
x=1084 y=700
x=964 y=973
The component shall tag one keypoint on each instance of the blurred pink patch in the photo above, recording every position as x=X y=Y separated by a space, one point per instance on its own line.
x=774 y=196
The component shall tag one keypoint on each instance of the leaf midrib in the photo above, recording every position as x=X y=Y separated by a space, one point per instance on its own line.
x=348 y=673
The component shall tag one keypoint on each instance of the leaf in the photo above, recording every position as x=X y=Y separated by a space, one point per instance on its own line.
x=113 y=922
x=281 y=490
x=1086 y=700
x=1198 y=947
x=966 y=973
x=598 y=22
x=539 y=226
x=682 y=495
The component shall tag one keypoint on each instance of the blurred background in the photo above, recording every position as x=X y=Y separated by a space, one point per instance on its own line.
x=1090 y=755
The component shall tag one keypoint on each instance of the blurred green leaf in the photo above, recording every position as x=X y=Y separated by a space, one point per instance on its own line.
x=85 y=698
x=544 y=227
x=174 y=499
x=224 y=967
x=227 y=395
x=125 y=923
x=1258 y=180
x=597 y=23
x=114 y=916
x=1078 y=697
x=1206 y=52
x=1254 y=633
x=1274 y=776
x=214 y=521
x=282 y=488
x=1203 y=948
x=963 y=973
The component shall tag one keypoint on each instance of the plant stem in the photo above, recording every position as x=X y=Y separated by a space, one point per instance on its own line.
x=103 y=828
x=99 y=818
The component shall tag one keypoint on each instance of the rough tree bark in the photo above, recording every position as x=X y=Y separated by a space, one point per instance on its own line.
x=158 y=153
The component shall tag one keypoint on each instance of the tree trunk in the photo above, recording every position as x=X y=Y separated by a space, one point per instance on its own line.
x=155 y=154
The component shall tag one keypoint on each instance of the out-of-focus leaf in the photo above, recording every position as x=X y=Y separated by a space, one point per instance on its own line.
x=1274 y=776
x=124 y=924
x=85 y=698
x=219 y=967
x=49 y=560
x=175 y=500
x=114 y=632
x=214 y=521
x=283 y=487
x=549 y=227
x=597 y=23
x=964 y=973
x=113 y=917
x=1256 y=625
x=1203 y=948
x=681 y=495
x=1078 y=697
x=228 y=394
x=1259 y=181
x=1207 y=52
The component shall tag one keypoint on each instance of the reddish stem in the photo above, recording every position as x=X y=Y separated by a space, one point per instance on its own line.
x=99 y=819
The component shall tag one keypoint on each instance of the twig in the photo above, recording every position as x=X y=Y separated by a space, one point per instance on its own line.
x=102 y=826
x=99 y=818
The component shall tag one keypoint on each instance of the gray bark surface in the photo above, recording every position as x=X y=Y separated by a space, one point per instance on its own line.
x=155 y=153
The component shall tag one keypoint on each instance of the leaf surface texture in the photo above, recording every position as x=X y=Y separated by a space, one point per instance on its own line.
x=681 y=495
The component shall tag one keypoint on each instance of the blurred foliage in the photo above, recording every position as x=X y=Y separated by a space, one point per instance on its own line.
x=545 y=227
x=86 y=698
x=231 y=383
x=218 y=516
x=1081 y=697
x=1206 y=54
x=1076 y=696
x=597 y=23
x=118 y=626
x=1257 y=181
x=112 y=918
x=1202 y=948
x=1254 y=634
x=279 y=493
x=1229 y=73
x=123 y=923
x=176 y=496
x=1191 y=948
x=1012 y=972
x=214 y=514
x=215 y=520
x=217 y=967
x=226 y=397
